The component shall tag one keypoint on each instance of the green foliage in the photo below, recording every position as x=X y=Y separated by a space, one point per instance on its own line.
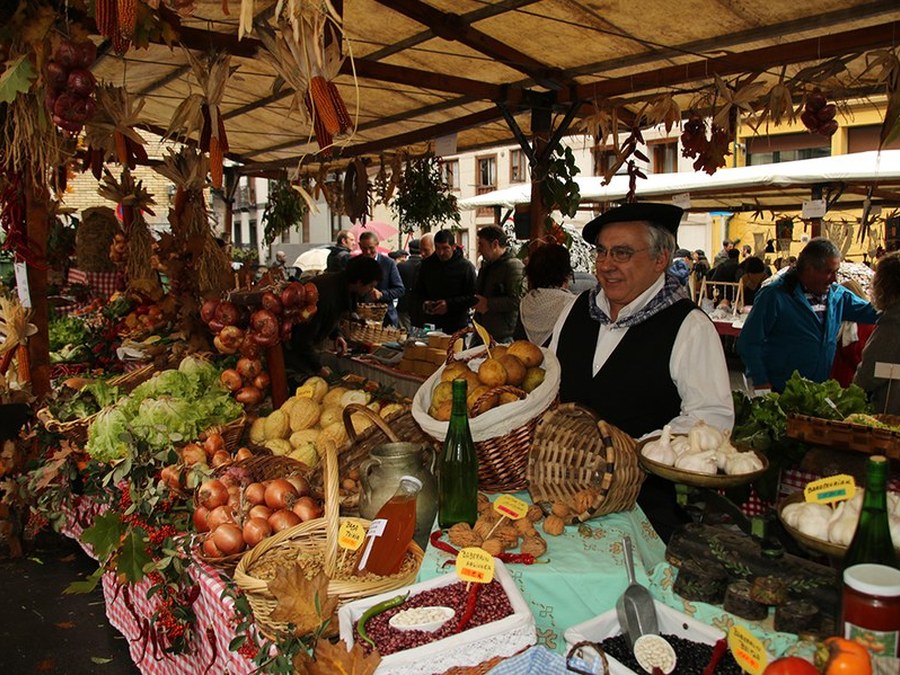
x=133 y=555
x=423 y=199
x=558 y=188
x=16 y=79
x=67 y=330
x=284 y=210
x=827 y=400
x=104 y=535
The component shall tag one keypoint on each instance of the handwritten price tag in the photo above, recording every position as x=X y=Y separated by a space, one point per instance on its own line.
x=509 y=506
x=475 y=564
x=351 y=535
x=831 y=489
x=747 y=650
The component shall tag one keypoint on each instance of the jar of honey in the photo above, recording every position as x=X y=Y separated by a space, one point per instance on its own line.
x=870 y=612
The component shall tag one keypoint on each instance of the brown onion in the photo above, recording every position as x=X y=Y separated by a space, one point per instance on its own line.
x=255 y=530
x=193 y=454
x=293 y=295
x=312 y=294
x=231 y=337
x=249 y=396
x=248 y=368
x=262 y=381
x=171 y=476
x=212 y=493
x=210 y=549
x=243 y=453
x=221 y=458
x=214 y=443
x=300 y=483
x=231 y=379
x=208 y=310
x=271 y=302
x=219 y=516
x=280 y=494
x=228 y=538
x=199 y=519
x=255 y=493
x=228 y=313
x=283 y=519
x=259 y=511
x=307 y=509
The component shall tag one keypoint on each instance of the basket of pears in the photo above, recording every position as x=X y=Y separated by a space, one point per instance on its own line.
x=509 y=387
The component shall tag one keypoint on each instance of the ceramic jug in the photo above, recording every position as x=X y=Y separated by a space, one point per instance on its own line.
x=380 y=475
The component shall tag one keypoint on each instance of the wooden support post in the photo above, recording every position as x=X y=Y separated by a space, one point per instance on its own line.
x=277 y=375
x=541 y=129
x=816 y=223
x=38 y=229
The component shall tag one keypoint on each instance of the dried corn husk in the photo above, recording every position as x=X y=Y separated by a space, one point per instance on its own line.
x=117 y=110
x=14 y=323
x=92 y=239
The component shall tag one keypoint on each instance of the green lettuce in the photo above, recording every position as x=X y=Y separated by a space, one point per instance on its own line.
x=108 y=437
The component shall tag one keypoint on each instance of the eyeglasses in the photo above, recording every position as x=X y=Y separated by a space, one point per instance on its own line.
x=619 y=254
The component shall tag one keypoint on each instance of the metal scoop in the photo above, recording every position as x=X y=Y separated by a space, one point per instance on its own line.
x=635 y=608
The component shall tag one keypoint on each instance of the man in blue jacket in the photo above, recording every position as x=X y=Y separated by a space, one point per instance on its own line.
x=390 y=288
x=795 y=320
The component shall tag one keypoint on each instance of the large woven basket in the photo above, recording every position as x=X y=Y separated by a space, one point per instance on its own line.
x=398 y=426
x=372 y=311
x=312 y=541
x=590 y=465
x=847 y=435
x=371 y=332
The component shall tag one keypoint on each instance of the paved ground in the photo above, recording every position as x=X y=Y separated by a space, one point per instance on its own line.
x=44 y=631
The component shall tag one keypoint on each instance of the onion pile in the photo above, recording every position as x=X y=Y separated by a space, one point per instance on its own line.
x=194 y=460
x=235 y=518
x=69 y=96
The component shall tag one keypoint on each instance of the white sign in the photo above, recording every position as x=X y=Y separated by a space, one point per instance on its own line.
x=813 y=208
x=445 y=145
x=682 y=201
x=22 y=284
x=887 y=371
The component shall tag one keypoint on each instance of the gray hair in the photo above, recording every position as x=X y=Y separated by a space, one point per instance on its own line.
x=817 y=254
x=660 y=240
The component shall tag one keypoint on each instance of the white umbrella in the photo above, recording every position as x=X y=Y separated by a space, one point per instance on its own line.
x=315 y=259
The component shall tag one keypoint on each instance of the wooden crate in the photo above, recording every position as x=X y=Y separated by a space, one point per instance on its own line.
x=845 y=435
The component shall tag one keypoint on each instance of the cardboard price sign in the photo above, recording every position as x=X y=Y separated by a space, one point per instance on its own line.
x=747 y=650
x=475 y=564
x=351 y=535
x=831 y=489
x=511 y=507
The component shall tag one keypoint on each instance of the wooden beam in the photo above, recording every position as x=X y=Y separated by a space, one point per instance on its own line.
x=374 y=70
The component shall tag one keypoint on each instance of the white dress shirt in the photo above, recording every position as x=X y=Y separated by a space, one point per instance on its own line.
x=697 y=365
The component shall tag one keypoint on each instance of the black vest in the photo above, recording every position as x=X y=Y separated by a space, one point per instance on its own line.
x=634 y=389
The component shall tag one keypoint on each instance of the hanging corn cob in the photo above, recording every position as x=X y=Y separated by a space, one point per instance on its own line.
x=110 y=135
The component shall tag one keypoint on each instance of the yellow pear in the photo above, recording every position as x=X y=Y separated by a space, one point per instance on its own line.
x=528 y=353
x=507 y=397
x=515 y=370
x=498 y=352
x=473 y=397
x=442 y=392
x=454 y=370
x=534 y=377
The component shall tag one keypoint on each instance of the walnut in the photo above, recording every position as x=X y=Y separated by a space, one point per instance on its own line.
x=484 y=504
x=561 y=509
x=554 y=525
x=493 y=546
x=461 y=535
x=535 y=545
x=483 y=527
x=524 y=527
x=535 y=513
x=508 y=534
x=584 y=500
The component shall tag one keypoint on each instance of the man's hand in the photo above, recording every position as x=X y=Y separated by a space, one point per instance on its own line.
x=340 y=346
x=481 y=306
x=377 y=294
x=439 y=307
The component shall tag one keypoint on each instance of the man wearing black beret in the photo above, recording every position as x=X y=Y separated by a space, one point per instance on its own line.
x=655 y=357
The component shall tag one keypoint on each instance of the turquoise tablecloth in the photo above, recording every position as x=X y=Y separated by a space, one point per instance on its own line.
x=585 y=575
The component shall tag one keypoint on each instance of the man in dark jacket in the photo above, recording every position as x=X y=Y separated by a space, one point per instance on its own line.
x=445 y=289
x=340 y=252
x=409 y=271
x=338 y=295
x=499 y=284
x=390 y=288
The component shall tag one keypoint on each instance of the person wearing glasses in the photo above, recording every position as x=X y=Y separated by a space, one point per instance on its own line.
x=635 y=349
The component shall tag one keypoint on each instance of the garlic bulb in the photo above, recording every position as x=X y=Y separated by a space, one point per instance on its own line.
x=660 y=450
x=725 y=450
x=813 y=520
x=791 y=513
x=894 y=503
x=704 y=437
x=742 y=462
x=698 y=462
x=842 y=525
x=680 y=445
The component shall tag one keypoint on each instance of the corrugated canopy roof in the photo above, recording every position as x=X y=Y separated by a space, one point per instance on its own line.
x=420 y=70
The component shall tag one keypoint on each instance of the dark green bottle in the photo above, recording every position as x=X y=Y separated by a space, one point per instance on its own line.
x=458 y=472
x=872 y=541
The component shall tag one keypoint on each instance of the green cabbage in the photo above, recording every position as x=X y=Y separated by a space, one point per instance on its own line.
x=108 y=436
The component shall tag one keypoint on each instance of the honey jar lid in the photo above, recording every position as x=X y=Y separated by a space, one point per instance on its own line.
x=871 y=579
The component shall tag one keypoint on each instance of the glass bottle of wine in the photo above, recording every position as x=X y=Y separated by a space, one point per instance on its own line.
x=872 y=541
x=458 y=472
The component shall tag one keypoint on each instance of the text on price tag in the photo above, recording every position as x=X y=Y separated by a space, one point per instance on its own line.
x=475 y=564
x=747 y=650
x=830 y=489
x=509 y=506
x=351 y=535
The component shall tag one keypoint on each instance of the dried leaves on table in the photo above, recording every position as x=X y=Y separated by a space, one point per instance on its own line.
x=331 y=659
x=301 y=601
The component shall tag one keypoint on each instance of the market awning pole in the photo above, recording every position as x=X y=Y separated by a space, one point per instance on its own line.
x=38 y=218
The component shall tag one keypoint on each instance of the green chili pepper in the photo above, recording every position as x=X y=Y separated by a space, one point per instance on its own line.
x=374 y=610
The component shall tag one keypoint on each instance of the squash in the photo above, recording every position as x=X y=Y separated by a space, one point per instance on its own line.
x=258 y=431
x=299 y=438
x=304 y=415
x=277 y=426
x=279 y=446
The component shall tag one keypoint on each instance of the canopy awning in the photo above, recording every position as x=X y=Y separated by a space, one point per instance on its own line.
x=783 y=186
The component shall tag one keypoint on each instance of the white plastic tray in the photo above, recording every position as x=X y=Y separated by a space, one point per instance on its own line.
x=671 y=622
x=469 y=648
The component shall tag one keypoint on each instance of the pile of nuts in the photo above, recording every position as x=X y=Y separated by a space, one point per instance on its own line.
x=502 y=538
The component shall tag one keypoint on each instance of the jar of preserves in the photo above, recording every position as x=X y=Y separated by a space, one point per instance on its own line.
x=870 y=611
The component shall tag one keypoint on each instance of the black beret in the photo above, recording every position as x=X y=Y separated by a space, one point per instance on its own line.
x=665 y=216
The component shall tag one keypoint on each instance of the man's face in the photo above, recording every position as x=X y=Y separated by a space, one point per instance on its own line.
x=369 y=246
x=350 y=243
x=489 y=250
x=426 y=247
x=818 y=281
x=623 y=281
x=443 y=251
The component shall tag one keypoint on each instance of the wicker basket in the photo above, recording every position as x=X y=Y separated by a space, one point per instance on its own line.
x=371 y=332
x=574 y=453
x=314 y=539
x=847 y=435
x=232 y=433
x=398 y=426
x=372 y=311
x=259 y=468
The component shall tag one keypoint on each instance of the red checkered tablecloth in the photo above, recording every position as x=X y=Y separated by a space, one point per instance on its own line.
x=127 y=607
x=103 y=284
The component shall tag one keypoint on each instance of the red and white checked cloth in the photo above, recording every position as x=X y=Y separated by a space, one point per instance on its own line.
x=102 y=284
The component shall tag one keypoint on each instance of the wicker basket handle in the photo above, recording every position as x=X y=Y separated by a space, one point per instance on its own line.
x=459 y=335
x=332 y=508
x=495 y=391
x=373 y=416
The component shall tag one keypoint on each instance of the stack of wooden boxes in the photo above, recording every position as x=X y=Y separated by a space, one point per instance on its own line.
x=425 y=355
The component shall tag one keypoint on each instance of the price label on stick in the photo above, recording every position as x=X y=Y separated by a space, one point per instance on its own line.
x=747 y=650
x=511 y=507
x=351 y=535
x=475 y=564
x=830 y=489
